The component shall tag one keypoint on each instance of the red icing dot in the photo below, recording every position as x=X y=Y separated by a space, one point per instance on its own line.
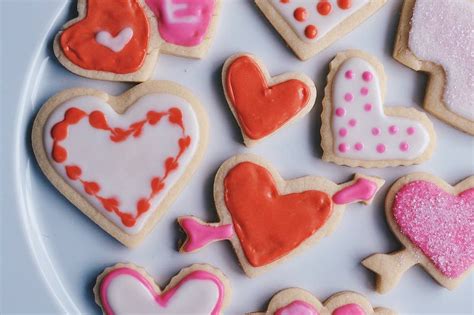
x=324 y=7
x=59 y=153
x=73 y=115
x=340 y=111
x=300 y=14
x=344 y=4
x=97 y=120
x=91 y=188
x=375 y=131
x=368 y=107
x=352 y=122
x=343 y=132
x=142 y=205
x=285 y=1
x=380 y=148
x=73 y=172
x=404 y=146
x=359 y=146
x=311 y=31
x=344 y=147
x=59 y=131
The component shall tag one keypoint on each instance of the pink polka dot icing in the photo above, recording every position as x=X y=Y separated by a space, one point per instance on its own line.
x=441 y=32
x=359 y=99
x=440 y=224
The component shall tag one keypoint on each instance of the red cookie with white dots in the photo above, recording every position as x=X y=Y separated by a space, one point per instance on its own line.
x=356 y=128
x=308 y=27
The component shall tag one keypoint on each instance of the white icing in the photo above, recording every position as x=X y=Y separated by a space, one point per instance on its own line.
x=124 y=169
x=116 y=43
x=324 y=24
x=172 y=8
x=362 y=131
x=443 y=32
x=127 y=295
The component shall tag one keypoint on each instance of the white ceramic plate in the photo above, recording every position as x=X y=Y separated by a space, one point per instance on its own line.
x=51 y=253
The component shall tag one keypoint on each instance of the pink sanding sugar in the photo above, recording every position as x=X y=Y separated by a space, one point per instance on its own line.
x=440 y=224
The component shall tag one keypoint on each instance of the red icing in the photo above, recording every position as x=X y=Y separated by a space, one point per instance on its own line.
x=311 y=31
x=300 y=14
x=270 y=225
x=324 y=7
x=79 y=44
x=97 y=120
x=344 y=4
x=262 y=109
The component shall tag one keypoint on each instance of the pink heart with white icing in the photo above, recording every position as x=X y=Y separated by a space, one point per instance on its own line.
x=125 y=290
x=440 y=224
x=361 y=130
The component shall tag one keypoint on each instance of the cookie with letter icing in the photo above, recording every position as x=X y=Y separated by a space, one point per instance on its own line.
x=121 y=160
x=310 y=26
x=433 y=37
x=358 y=130
x=434 y=222
x=120 y=40
x=295 y=301
x=128 y=289
x=259 y=210
x=262 y=104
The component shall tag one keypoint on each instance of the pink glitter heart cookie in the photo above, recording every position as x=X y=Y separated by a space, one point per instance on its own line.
x=295 y=301
x=434 y=221
x=357 y=130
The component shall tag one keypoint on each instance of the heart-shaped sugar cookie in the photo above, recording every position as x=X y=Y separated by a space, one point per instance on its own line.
x=121 y=160
x=297 y=301
x=258 y=211
x=127 y=289
x=357 y=130
x=262 y=104
x=433 y=220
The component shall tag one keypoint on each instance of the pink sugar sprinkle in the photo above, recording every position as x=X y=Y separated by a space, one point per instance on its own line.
x=340 y=111
x=440 y=224
x=348 y=97
x=343 y=132
x=381 y=148
x=344 y=147
x=375 y=131
x=364 y=91
x=368 y=107
x=352 y=122
x=410 y=130
x=349 y=74
x=367 y=76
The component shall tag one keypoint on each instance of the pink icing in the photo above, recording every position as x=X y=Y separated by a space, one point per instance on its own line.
x=297 y=308
x=199 y=235
x=362 y=190
x=183 y=22
x=349 y=309
x=340 y=112
x=440 y=224
x=163 y=298
x=381 y=148
x=344 y=147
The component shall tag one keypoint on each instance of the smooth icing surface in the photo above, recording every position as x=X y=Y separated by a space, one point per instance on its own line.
x=297 y=308
x=116 y=43
x=262 y=109
x=264 y=220
x=199 y=235
x=440 y=224
x=360 y=128
x=123 y=165
x=349 y=309
x=183 y=22
x=312 y=20
x=126 y=291
x=443 y=32
x=85 y=47
x=362 y=190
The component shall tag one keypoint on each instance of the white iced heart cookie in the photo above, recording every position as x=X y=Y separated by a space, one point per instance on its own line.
x=357 y=130
x=310 y=26
x=127 y=289
x=434 y=37
x=121 y=160
x=116 y=43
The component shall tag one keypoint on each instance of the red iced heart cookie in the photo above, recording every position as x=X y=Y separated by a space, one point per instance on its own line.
x=262 y=104
x=111 y=36
x=264 y=219
x=434 y=221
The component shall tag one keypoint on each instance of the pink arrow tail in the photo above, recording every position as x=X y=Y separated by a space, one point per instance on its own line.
x=199 y=233
x=362 y=190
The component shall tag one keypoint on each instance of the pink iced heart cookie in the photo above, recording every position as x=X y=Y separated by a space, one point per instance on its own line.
x=297 y=301
x=357 y=130
x=127 y=289
x=434 y=221
x=120 y=159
